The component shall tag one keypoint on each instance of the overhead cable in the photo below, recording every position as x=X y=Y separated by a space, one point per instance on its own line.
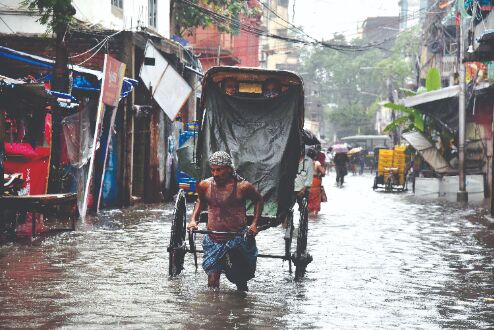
x=227 y=21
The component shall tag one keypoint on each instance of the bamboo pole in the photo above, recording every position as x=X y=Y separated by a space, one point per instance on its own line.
x=97 y=129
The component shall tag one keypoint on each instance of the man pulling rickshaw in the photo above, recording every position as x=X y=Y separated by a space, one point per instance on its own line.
x=225 y=194
x=252 y=118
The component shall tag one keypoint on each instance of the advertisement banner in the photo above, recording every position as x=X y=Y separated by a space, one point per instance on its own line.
x=114 y=76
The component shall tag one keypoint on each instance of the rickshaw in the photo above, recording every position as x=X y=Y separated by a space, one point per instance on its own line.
x=391 y=174
x=264 y=136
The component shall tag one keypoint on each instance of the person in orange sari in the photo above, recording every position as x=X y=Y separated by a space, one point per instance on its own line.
x=315 y=190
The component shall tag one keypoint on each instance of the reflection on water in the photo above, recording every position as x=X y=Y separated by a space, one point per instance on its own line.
x=380 y=261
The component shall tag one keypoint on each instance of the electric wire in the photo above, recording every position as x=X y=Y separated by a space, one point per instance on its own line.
x=8 y=26
x=226 y=21
x=104 y=40
x=94 y=54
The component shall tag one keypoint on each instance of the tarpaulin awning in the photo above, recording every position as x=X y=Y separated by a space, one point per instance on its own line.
x=38 y=89
x=430 y=154
x=79 y=83
x=442 y=104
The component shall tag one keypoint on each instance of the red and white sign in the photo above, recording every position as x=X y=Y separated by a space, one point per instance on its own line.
x=114 y=76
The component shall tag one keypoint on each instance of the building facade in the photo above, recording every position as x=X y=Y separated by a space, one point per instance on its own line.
x=135 y=15
x=274 y=52
x=216 y=48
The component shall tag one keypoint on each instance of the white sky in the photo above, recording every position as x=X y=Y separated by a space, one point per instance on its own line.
x=322 y=18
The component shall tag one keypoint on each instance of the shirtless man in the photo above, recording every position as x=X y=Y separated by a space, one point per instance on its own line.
x=225 y=194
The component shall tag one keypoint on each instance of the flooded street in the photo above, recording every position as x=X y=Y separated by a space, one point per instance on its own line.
x=380 y=261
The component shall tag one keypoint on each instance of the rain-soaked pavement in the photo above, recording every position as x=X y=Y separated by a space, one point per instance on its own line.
x=380 y=261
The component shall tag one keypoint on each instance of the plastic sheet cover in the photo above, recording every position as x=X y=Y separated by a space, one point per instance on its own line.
x=263 y=137
x=78 y=137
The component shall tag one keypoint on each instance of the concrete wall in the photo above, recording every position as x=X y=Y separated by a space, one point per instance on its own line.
x=447 y=187
x=95 y=12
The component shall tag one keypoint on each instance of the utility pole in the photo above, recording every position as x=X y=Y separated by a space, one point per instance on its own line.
x=62 y=14
x=462 y=195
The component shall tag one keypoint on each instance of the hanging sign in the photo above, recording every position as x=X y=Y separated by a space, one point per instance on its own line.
x=114 y=77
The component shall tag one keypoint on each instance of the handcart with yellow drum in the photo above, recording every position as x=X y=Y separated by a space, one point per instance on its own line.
x=391 y=174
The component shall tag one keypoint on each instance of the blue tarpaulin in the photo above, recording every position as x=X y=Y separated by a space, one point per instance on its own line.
x=79 y=81
x=65 y=100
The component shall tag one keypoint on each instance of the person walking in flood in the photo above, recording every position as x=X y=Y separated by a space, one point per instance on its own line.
x=225 y=194
x=315 y=190
x=340 y=162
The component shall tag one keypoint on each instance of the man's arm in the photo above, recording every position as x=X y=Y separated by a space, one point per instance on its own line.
x=199 y=206
x=252 y=194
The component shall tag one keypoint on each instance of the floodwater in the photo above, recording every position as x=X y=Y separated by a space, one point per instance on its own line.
x=381 y=261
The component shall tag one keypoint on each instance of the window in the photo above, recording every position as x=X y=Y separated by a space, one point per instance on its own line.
x=282 y=32
x=117 y=3
x=283 y=3
x=152 y=8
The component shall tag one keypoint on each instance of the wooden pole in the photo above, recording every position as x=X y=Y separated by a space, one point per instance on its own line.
x=128 y=57
x=99 y=118
x=60 y=83
x=153 y=188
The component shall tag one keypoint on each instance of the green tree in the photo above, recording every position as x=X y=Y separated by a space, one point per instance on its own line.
x=57 y=16
x=410 y=121
x=355 y=81
x=351 y=119
x=398 y=64
x=186 y=16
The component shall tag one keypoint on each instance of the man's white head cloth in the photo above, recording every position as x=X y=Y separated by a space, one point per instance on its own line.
x=220 y=158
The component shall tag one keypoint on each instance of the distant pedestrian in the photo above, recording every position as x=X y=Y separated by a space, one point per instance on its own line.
x=340 y=161
x=329 y=160
x=353 y=164
x=321 y=156
x=315 y=190
x=362 y=163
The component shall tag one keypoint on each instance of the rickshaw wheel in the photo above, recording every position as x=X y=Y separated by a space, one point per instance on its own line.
x=301 y=258
x=177 y=247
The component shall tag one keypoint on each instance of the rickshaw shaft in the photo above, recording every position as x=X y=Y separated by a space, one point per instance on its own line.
x=198 y=231
x=259 y=255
